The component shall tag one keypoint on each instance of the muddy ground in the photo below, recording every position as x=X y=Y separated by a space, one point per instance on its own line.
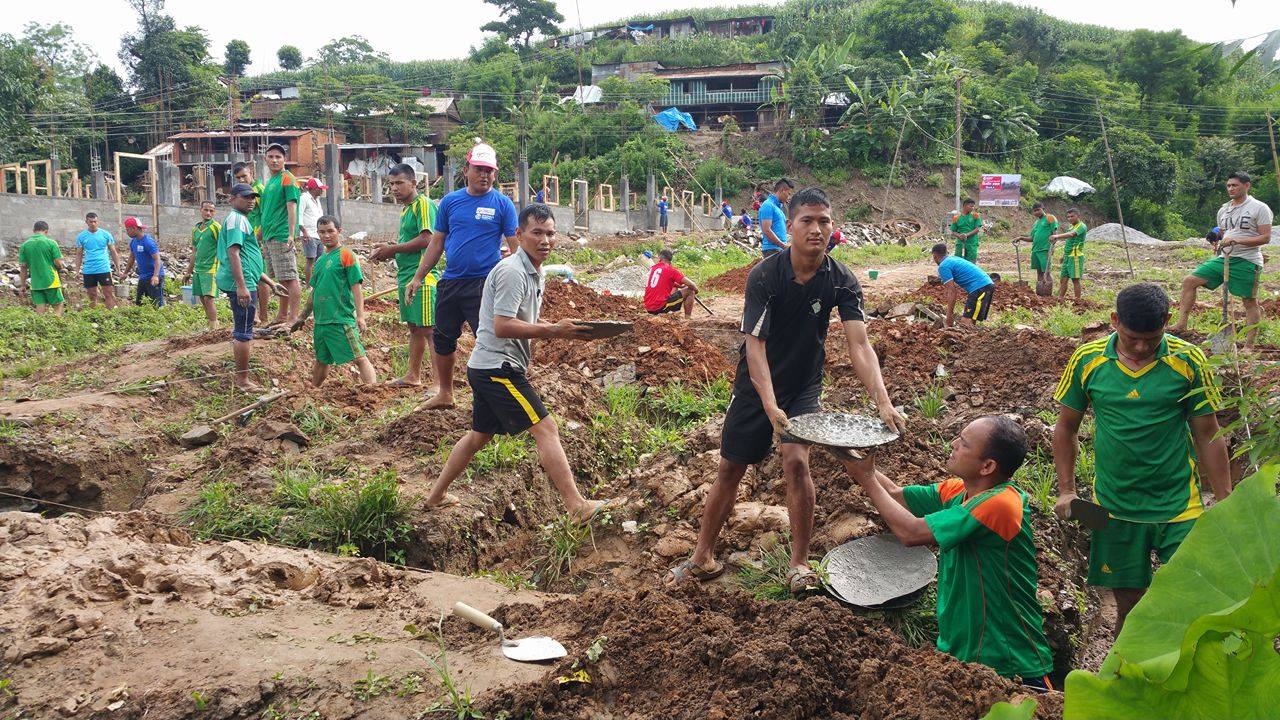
x=129 y=611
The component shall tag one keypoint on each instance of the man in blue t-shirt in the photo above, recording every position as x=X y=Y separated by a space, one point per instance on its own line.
x=663 y=206
x=471 y=225
x=98 y=258
x=146 y=253
x=773 y=219
x=959 y=274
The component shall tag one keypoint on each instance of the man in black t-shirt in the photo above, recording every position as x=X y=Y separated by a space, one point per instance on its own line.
x=788 y=308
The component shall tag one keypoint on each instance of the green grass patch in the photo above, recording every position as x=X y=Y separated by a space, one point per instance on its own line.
x=317 y=420
x=30 y=342
x=770 y=579
x=932 y=402
x=562 y=538
x=504 y=452
x=884 y=255
x=311 y=508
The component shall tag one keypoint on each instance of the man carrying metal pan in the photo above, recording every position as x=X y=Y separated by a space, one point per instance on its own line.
x=789 y=299
x=981 y=522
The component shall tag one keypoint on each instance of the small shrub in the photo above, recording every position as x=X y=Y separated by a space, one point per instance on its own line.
x=932 y=402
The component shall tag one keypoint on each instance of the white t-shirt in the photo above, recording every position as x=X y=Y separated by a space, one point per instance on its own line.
x=309 y=211
x=1241 y=221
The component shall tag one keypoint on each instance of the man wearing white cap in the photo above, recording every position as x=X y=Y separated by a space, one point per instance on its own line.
x=309 y=211
x=471 y=224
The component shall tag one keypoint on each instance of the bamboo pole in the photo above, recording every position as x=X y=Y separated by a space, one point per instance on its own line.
x=1115 y=191
x=1271 y=133
x=884 y=206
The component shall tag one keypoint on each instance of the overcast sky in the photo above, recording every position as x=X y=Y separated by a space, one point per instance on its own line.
x=429 y=29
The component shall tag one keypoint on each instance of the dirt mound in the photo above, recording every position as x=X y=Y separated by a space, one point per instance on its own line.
x=986 y=370
x=660 y=349
x=1008 y=295
x=703 y=654
x=124 y=617
x=732 y=281
x=571 y=300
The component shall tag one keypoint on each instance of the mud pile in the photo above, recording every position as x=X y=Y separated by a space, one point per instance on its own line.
x=563 y=300
x=1008 y=295
x=732 y=281
x=988 y=370
x=691 y=653
x=660 y=349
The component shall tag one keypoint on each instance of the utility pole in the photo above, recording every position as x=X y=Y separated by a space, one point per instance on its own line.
x=959 y=78
x=1115 y=191
x=1271 y=133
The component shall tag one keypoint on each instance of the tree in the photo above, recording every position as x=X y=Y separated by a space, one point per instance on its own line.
x=912 y=27
x=348 y=51
x=289 y=57
x=1213 y=159
x=171 y=69
x=237 y=58
x=1165 y=66
x=521 y=19
x=20 y=86
x=1146 y=173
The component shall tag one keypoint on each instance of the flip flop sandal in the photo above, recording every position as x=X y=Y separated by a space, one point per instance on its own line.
x=801 y=581
x=400 y=383
x=682 y=573
x=450 y=500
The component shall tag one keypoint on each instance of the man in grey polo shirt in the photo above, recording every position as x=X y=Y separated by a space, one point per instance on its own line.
x=502 y=400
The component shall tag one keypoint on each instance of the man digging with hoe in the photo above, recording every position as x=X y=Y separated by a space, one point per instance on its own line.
x=789 y=299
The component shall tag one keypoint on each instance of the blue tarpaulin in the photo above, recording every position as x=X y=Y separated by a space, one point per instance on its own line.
x=671 y=119
x=641 y=28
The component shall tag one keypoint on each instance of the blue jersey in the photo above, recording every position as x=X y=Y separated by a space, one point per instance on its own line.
x=474 y=228
x=143 y=248
x=771 y=209
x=968 y=276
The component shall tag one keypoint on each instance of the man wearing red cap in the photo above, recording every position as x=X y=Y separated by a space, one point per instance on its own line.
x=309 y=211
x=471 y=224
x=144 y=251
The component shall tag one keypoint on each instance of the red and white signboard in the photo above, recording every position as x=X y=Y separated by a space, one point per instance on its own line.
x=1000 y=190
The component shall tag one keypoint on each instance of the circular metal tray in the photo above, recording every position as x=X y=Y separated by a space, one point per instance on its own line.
x=841 y=430
x=875 y=571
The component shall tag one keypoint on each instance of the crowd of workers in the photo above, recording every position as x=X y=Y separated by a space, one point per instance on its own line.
x=1153 y=395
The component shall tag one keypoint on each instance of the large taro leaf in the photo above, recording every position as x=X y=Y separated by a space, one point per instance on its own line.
x=1200 y=644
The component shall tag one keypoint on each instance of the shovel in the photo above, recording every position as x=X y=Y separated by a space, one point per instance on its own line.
x=1090 y=515
x=1044 y=281
x=1017 y=251
x=1220 y=342
x=704 y=305
x=530 y=649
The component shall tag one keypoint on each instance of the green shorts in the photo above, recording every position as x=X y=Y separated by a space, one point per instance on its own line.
x=1072 y=267
x=336 y=343
x=202 y=284
x=1243 y=282
x=422 y=311
x=1120 y=556
x=1040 y=260
x=48 y=296
x=968 y=249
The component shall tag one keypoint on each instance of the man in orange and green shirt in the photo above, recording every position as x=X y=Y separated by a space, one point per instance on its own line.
x=981 y=522
x=337 y=300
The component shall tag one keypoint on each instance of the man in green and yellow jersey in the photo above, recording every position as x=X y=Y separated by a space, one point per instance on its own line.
x=1072 y=253
x=417 y=223
x=204 y=263
x=981 y=522
x=279 y=202
x=239 y=275
x=337 y=300
x=1153 y=397
x=1041 y=246
x=966 y=228
x=40 y=265
x=243 y=173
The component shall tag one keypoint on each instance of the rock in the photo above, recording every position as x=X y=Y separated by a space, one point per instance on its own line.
x=631 y=527
x=622 y=375
x=902 y=310
x=198 y=436
x=36 y=647
x=672 y=546
x=940 y=371
x=643 y=349
x=275 y=430
x=754 y=517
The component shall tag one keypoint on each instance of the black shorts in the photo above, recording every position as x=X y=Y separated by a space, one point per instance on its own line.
x=747 y=437
x=98 y=280
x=770 y=252
x=457 y=301
x=503 y=402
x=154 y=293
x=978 y=303
x=673 y=303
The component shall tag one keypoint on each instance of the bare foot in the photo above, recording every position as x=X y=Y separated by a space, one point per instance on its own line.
x=440 y=401
x=590 y=508
x=403 y=382
x=249 y=387
x=449 y=500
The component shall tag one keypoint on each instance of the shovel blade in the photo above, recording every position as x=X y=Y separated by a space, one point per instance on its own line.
x=533 y=649
x=1090 y=515
x=1221 y=341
